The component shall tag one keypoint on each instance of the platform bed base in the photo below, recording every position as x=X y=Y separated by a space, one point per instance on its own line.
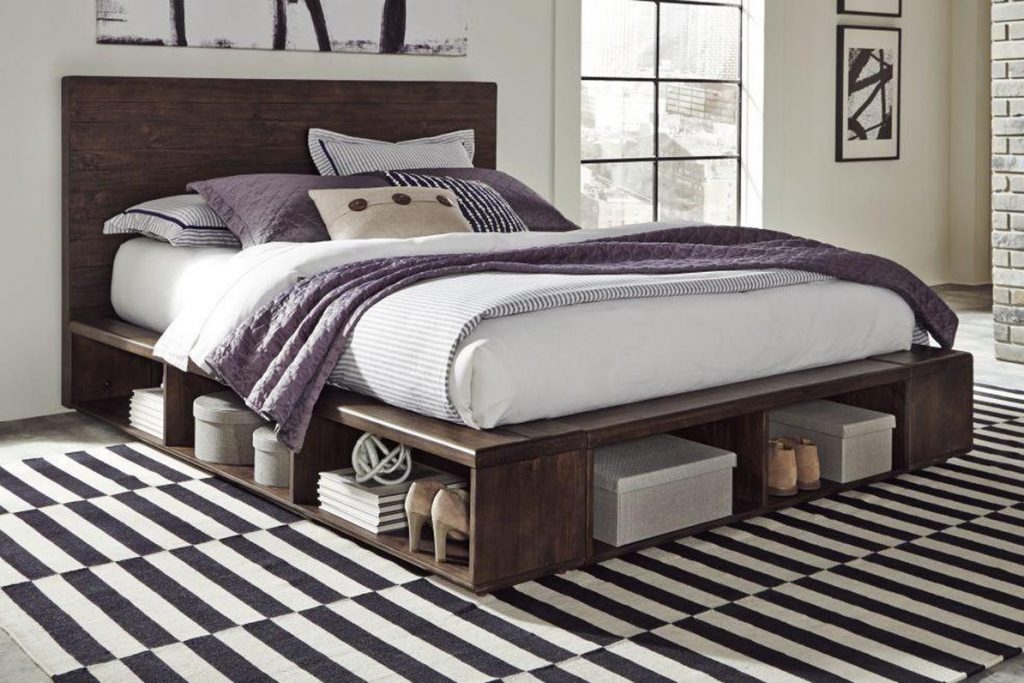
x=530 y=484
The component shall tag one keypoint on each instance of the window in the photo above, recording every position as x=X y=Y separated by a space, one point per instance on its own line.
x=661 y=111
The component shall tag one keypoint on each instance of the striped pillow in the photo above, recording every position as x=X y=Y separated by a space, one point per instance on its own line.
x=482 y=205
x=184 y=221
x=337 y=154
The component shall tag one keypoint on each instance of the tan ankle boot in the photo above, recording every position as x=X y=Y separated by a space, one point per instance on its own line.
x=781 y=468
x=417 y=509
x=808 y=466
x=450 y=513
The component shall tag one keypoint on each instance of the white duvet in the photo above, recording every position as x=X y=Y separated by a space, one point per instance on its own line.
x=558 y=362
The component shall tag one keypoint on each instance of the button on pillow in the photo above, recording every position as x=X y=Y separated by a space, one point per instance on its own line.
x=384 y=213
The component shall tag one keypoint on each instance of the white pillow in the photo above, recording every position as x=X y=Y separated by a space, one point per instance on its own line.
x=183 y=220
x=337 y=154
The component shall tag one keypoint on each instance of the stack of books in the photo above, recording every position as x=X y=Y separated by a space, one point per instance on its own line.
x=146 y=411
x=378 y=508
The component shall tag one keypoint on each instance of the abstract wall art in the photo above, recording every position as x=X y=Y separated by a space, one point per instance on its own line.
x=419 y=27
x=868 y=93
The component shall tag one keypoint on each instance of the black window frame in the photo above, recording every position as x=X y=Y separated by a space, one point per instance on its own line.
x=657 y=80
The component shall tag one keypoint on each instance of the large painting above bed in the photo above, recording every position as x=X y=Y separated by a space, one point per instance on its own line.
x=421 y=27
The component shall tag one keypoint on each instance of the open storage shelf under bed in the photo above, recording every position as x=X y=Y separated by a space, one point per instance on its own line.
x=530 y=484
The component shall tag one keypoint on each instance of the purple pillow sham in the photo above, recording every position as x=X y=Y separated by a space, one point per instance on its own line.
x=275 y=207
x=538 y=214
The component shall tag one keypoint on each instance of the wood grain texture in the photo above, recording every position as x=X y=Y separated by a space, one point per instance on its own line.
x=458 y=443
x=104 y=372
x=181 y=389
x=130 y=140
x=747 y=437
x=940 y=414
x=328 y=446
x=658 y=416
x=527 y=516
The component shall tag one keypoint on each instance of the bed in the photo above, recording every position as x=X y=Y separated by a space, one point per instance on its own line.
x=529 y=476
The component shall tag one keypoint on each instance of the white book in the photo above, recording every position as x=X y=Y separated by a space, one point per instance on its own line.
x=347 y=512
x=341 y=493
x=372 y=528
x=143 y=411
x=356 y=507
x=148 y=402
x=144 y=419
x=145 y=416
x=149 y=397
x=378 y=494
x=158 y=433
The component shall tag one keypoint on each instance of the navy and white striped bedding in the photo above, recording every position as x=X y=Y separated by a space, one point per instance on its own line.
x=183 y=221
x=482 y=205
x=336 y=154
x=402 y=350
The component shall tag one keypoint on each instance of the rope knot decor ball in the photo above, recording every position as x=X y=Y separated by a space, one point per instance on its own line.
x=373 y=459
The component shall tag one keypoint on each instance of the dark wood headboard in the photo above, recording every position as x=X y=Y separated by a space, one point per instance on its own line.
x=128 y=140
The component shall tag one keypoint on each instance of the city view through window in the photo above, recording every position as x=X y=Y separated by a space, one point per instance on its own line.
x=660 y=111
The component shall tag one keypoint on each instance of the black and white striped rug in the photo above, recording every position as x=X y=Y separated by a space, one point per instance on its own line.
x=123 y=564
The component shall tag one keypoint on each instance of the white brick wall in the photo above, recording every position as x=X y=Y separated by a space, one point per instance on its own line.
x=1008 y=177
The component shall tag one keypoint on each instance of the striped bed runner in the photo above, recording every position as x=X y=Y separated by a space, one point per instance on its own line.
x=122 y=564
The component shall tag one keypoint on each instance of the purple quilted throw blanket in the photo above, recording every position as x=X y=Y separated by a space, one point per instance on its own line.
x=281 y=358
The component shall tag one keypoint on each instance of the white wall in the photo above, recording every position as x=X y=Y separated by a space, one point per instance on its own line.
x=970 y=153
x=899 y=209
x=40 y=41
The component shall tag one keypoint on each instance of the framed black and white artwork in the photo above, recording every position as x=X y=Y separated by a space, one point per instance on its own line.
x=868 y=93
x=414 y=27
x=875 y=8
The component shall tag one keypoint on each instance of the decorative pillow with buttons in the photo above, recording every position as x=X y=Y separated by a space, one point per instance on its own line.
x=389 y=212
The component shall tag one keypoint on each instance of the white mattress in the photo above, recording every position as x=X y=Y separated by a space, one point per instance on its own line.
x=564 y=361
x=153 y=282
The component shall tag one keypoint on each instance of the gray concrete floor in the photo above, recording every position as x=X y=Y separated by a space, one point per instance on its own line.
x=61 y=433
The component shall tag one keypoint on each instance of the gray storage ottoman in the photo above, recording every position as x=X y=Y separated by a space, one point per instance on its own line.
x=656 y=485
x=853 y=443
x=224 y=428
x=273 y=459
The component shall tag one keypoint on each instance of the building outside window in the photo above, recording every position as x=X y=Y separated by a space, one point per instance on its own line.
x=661 y=111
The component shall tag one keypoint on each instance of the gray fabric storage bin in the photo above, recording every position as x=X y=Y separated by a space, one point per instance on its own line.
x=224 y=428
x=853 y=443
x=273 y=463
x=656 y=485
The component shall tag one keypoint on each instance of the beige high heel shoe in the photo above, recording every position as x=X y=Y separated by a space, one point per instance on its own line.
x=417 y=509
x=450 y=515
x=782 y=468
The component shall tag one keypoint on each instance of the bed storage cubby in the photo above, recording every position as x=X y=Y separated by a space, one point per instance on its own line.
x=103 y=378
x=852 y=442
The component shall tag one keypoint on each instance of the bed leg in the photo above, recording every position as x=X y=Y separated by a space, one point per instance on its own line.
x=528 y=517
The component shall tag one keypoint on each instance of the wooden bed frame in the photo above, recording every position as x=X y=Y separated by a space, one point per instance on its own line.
x=128 y=140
